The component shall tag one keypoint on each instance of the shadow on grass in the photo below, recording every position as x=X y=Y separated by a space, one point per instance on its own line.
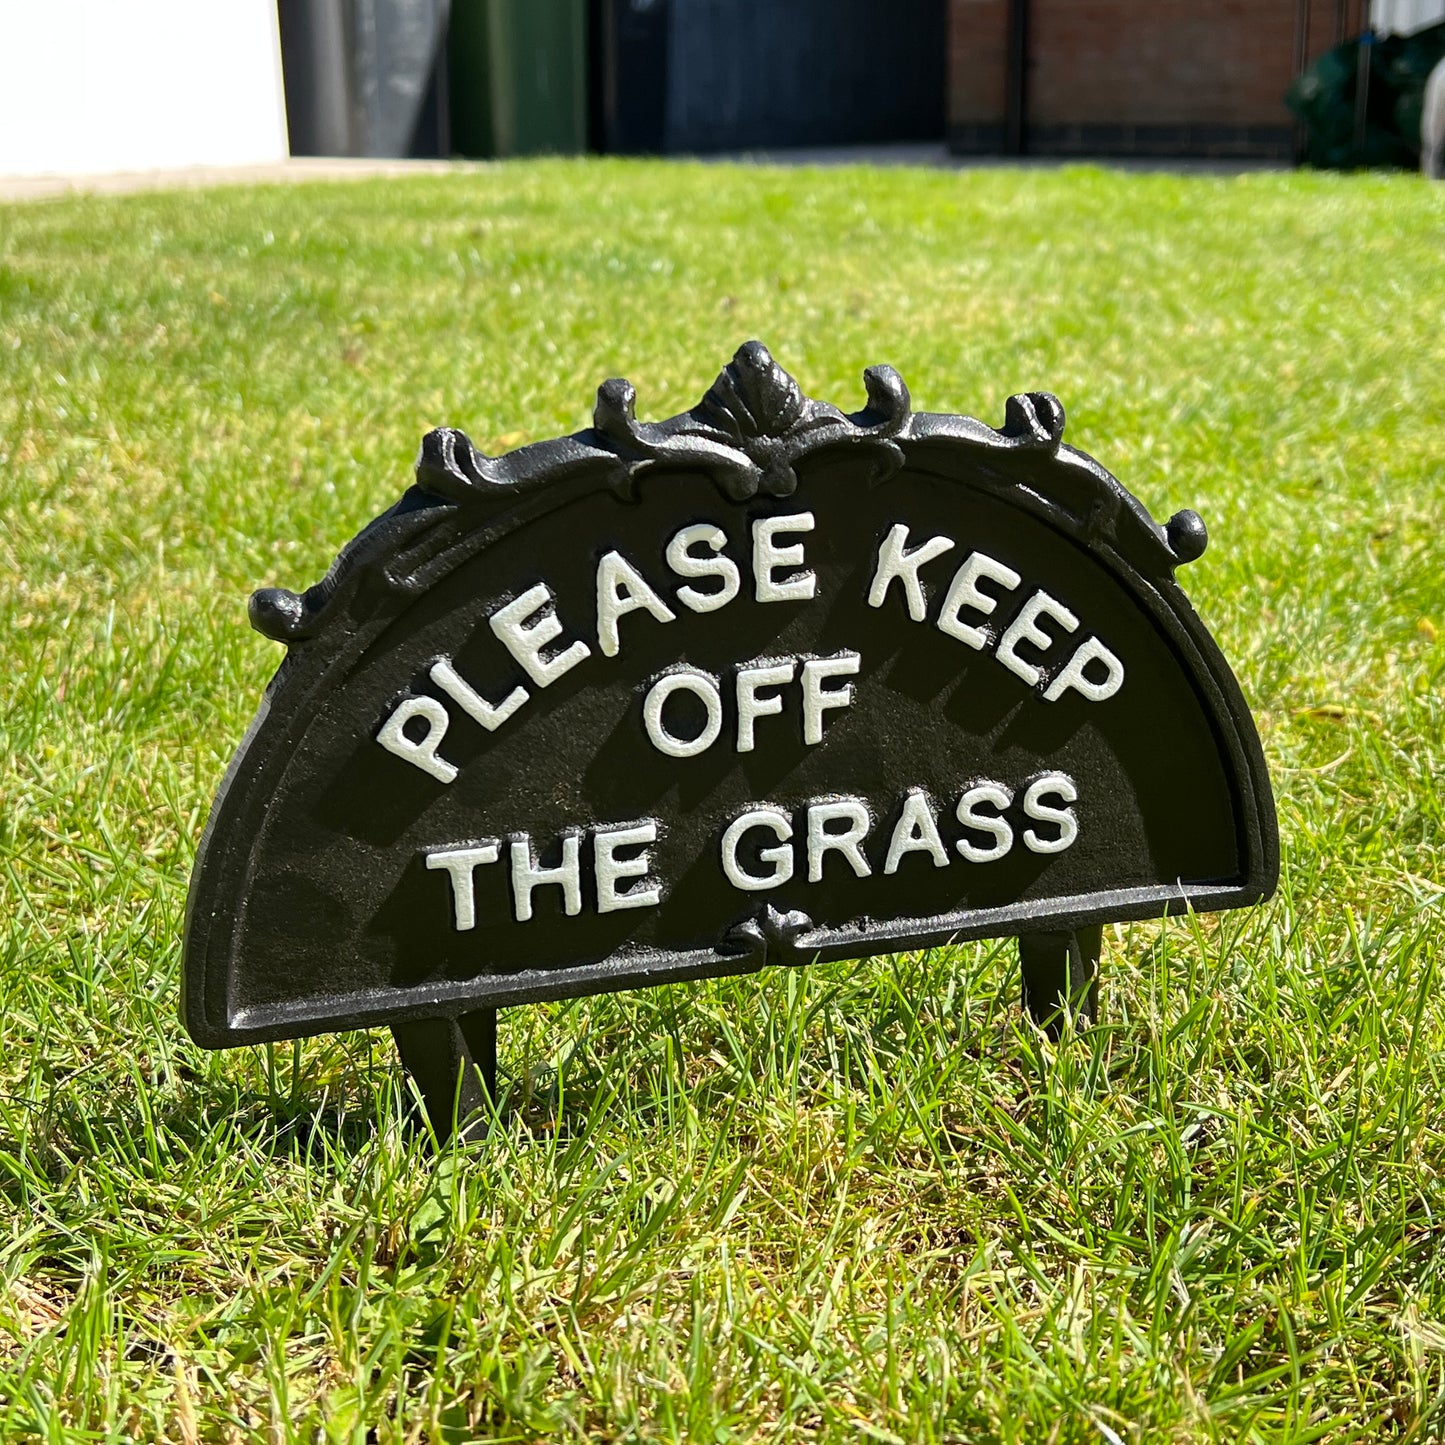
x=888 y=1039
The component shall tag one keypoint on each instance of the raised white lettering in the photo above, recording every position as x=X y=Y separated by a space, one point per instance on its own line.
x=461 y=864
x=471 y=701
x=611 y=870
x=816 y=671
x=525 y=642
x=853 y=813
x=750 y=705
x=916 y=831
x=422 y=753
x=1035 y=806
x=780 y=858
x=526 y=875
x=621 y=589
x=767 y=556
x=702 y=687
x=964 y=592
x=1075 y=673
x=682 y=562
x=997 y=796
x=1025 y=628
x=896 y=562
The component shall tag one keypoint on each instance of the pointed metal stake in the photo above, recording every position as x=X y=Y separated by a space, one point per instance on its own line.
x=1061 y=969
x=454 y=1063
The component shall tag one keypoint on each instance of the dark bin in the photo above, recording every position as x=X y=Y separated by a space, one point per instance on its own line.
x=365 y=77
x=518 y=77
x=400 y=50
x=315 y=67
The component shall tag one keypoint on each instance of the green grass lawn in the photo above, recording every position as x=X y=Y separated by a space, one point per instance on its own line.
x=855 y=1201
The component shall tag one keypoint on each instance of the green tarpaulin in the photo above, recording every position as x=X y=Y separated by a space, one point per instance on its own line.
x=1325 y=98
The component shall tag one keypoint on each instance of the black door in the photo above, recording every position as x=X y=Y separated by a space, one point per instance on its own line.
x=720 y=75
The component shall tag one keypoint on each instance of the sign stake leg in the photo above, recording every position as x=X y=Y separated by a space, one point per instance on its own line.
x=454 y=1063
x=479 y=1029
x=1061 y=969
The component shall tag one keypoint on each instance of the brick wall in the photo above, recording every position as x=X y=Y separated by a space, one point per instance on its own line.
x=1136 y=76
x=977 y=61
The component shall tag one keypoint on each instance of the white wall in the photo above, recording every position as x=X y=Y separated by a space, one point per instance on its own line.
x=122 y=85
x=1404 y=17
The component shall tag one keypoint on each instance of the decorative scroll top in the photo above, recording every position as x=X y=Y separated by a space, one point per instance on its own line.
x=749 y=434
x=754 y=426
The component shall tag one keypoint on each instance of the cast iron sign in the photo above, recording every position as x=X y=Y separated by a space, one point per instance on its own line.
x=765 y=683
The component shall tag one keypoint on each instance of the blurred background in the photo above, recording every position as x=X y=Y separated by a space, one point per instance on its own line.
x=91 y=86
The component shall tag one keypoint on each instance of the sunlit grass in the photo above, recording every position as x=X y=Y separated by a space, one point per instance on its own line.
x=854 y=1200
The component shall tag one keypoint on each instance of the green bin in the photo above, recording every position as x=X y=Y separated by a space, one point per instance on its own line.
x=518 y=76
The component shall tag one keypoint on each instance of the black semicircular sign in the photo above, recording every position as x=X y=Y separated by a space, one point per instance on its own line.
x=762 y=683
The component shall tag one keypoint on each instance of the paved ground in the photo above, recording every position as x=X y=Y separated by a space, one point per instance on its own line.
x=13 y=188
x=937 y=154
x=300 y=168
